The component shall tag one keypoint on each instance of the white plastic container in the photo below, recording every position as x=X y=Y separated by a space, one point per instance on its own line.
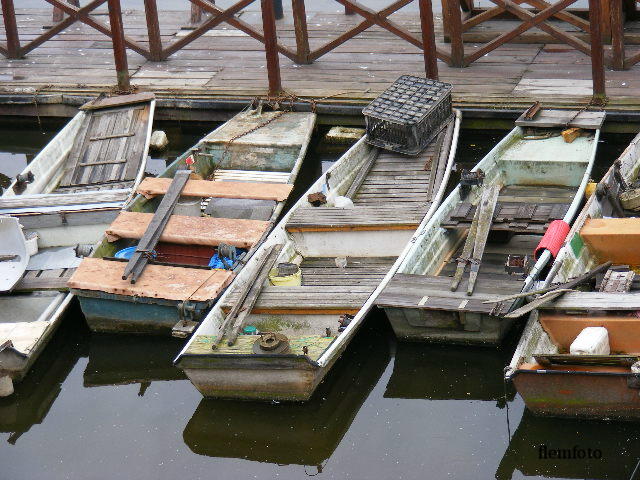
x=591 y=341
x=188 y=206
x=343 y=202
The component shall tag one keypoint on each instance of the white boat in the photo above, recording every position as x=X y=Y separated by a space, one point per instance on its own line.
x=64 y=200
x=339 y=257
x=531 y=179
x=550 y=378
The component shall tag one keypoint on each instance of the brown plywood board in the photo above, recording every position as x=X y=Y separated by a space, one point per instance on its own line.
x=151 y=187
x=157 y=281
x=187 y=230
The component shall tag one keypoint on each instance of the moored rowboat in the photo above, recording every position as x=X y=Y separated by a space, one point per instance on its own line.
x=495 y=218
x=335 y=257
x=235 y=183
x=554 y=382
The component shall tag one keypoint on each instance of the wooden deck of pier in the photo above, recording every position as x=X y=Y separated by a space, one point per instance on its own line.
x=227 y=63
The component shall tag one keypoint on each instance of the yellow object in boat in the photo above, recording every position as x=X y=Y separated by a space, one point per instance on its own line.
x=590 y=189
x=293 y=280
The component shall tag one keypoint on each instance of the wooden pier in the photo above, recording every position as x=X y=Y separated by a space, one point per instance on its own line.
x=502 y=57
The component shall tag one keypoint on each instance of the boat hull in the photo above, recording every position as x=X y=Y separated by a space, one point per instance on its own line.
x=580 y=394
x=432 y=326
x=253 y=378
x=106 y=313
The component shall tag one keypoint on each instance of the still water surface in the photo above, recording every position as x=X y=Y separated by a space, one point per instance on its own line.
x=111 y=407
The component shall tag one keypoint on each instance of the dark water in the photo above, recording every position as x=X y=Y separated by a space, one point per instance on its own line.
x=111 y=407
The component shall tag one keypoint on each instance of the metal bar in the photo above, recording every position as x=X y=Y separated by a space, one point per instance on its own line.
x=617 y=37
x=302 y=33
x=151 y=236
x=119 y=48
x=271 y=47
x=597 y=52
x=429 y=51
x=11 y=29
x=454 y=27
x=153 y=30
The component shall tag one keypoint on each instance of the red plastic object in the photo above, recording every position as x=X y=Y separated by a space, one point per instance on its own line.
x=553 y=238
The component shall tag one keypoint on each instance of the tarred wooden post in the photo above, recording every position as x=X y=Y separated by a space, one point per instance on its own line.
x=454 y=20
x=617 y=36
x=196 y=14
x=58 y=15
x=271 y=47
x=153 y=30
x=302 y=33
x=597 y=52
x=278 y=11
x=119 y=47
x=11 y=29
x=428 y=40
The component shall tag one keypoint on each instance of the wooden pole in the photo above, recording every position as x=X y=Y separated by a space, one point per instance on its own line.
x=11 y=29
x=271 y=47
x=119 y=47
x=302 y=33
x=428 y=40
x=597 y=52
x=617 y=36
x=153 y=30
x=454 y=20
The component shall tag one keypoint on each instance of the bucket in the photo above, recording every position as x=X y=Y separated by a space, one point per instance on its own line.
x=277 y=278
x=126 y=253
x=188 y=206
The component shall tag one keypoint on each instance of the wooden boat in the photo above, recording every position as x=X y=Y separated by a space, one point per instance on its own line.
x=299 y=433
x=554 y=382
x=340 y=254
x=244 y=171
x=529 y=179
x=65 y=198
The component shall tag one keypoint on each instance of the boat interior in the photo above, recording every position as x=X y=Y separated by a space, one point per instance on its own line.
x=234 y=194
x=489 y=228
x=338 y=256
x=605 y=233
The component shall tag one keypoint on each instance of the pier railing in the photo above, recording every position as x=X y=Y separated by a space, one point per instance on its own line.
x=604 y=21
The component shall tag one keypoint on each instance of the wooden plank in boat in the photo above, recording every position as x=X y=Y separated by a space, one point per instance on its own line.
x=601 y=301
x=432 y=293
x=58 y=199
x=358 y=218
x=157 y=281
x=187 y=230
x=151 y=187
x=226 y=175
x=117 y=101
x=319 y=299
x=114 y=158
x=32 y=282
x=564 y=118
x=548 y=360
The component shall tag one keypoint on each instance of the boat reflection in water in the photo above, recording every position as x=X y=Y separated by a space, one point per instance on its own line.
x=36 y=394
x=129 y=359
x=446 y=372
x=295 y=433
x=588 y=449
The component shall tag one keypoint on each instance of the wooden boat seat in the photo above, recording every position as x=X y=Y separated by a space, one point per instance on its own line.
x=151 y=187
x=563 y=330
x=305 y=299
x=319 y=219
x=157 y=281
x=433 y=293
x=614 y=239
x=190 y=230
x=229 y=175
x=548 y=360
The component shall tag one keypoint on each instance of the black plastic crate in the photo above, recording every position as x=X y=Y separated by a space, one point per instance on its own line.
x=408 y=114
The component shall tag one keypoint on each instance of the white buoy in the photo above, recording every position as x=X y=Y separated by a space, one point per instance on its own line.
x=6 y=386
x=159 y=141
